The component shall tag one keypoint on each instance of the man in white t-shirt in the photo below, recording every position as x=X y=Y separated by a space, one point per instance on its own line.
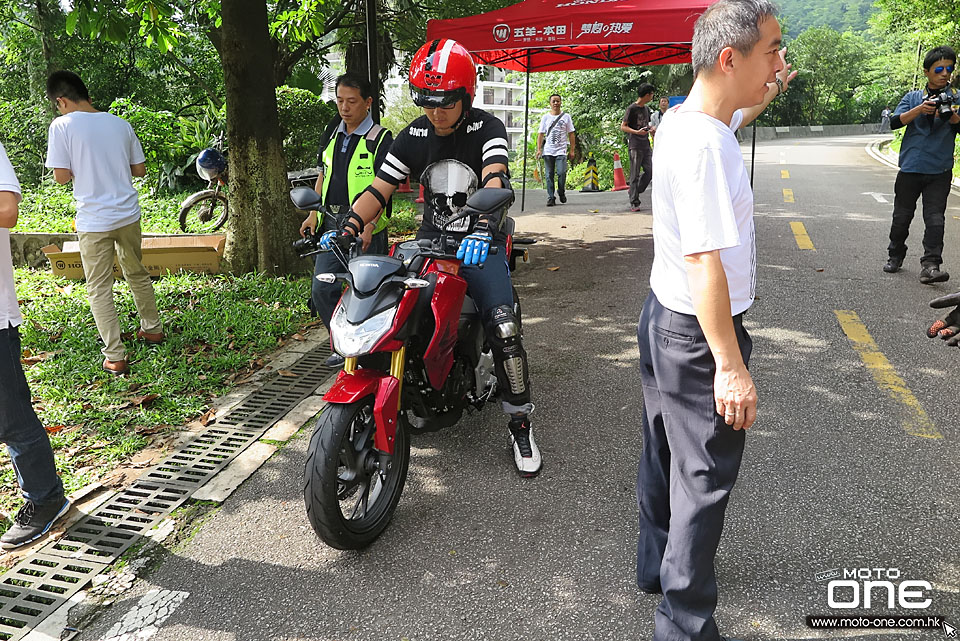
x=20 y=429
x=100 y=153
x=698 y=396
x=555 y=142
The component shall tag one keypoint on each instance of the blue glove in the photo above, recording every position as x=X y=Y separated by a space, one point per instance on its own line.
x=326 y=240
x=474 y=248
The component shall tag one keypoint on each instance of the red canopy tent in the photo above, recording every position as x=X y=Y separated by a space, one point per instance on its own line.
x=561 y=35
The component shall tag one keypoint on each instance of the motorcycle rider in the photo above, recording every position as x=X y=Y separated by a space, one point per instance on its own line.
x=456 y=149
x=351 y=151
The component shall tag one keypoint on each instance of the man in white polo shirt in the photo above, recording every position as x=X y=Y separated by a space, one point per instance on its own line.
x=100 y=153
x=20 y=429
x=698 y=395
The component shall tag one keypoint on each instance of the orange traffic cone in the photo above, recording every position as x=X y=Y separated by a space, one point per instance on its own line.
x=619 y=182
x=420 y=197
x=404 y=187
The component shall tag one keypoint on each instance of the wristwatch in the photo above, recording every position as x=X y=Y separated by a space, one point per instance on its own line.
x=780 y=88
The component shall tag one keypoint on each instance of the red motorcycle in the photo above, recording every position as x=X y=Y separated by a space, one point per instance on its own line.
x=416 y=358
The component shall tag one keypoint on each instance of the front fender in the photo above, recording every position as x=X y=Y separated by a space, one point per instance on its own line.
x=349 y=388
x=385 y=389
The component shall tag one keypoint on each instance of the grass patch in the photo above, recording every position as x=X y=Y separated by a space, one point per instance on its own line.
x=49 y=208
x=218 y=329
x=404 y=219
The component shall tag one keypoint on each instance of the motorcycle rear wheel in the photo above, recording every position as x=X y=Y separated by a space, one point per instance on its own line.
x=349 y=489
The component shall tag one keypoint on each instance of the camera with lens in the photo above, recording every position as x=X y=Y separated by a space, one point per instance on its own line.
x=309 y=244
x=943 y=102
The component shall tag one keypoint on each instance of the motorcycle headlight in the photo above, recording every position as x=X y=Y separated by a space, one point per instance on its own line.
x=351 y=340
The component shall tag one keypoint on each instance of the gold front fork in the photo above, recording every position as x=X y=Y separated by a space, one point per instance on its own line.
x=398 y=360
x=350 y=364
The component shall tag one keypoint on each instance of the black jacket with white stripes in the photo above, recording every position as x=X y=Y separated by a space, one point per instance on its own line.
x=449 y=167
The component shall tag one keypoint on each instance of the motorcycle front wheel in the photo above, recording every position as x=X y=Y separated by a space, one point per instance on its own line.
x=351 y=489
x=204 y=212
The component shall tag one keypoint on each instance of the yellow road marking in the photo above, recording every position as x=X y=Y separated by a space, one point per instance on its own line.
x=788 y=195
x=916 y=422
x=800 y=233
x=784 y=173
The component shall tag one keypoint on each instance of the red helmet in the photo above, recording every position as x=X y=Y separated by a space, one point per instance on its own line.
x=442 y=73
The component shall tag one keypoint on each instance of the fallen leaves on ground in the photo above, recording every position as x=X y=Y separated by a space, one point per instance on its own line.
x=552 y=269
x=147 y=430
x=287 y=373
x=144 y=400
x=208 y=416
x=29 y=358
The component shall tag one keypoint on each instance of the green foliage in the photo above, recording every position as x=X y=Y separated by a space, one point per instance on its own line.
x=303 y=117
x=404 y=217
x=843 y=79
x=158 y=131
x=852 y=15
x=217 y=328
x=23 y=132
x=400 y=113
x=49 y=207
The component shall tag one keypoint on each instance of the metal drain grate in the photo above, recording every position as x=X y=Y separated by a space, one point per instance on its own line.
x=40 y=584
x=120 y=523
x=262 y=408
x=37 y=586
x=201 y=458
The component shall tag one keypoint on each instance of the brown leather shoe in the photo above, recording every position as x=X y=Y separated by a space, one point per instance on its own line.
x=153 y=339
x=117 y=368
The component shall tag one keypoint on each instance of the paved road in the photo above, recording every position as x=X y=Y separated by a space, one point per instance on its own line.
x=834 y=475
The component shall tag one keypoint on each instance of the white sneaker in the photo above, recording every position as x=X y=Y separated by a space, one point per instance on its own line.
x=526 y=454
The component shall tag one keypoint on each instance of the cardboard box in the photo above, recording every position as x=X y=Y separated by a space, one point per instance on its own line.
x=161 y=255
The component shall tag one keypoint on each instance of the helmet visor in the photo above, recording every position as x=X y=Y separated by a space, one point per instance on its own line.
x=432 y=99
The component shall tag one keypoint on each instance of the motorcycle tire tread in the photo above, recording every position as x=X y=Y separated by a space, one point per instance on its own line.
x=320 y=478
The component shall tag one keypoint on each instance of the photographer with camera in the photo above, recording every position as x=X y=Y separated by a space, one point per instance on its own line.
x=351 y=152
x=926 y=164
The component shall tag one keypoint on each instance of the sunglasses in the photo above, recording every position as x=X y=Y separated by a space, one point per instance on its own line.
x=949 y=69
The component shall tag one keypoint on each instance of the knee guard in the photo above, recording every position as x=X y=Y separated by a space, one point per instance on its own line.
x=504 y=337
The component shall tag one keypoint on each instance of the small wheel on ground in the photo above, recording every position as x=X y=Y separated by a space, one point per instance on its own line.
x=204 y=212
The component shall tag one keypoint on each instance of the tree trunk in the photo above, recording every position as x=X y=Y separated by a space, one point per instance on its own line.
x=262 y=221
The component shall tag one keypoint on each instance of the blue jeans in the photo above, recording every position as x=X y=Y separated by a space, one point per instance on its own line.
x=21 y=430
x=491 y=286
x=325 y=296
x=555 y=165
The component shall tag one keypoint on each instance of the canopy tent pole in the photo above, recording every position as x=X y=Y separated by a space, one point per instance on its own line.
x=526 y=122
x=753 y=152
